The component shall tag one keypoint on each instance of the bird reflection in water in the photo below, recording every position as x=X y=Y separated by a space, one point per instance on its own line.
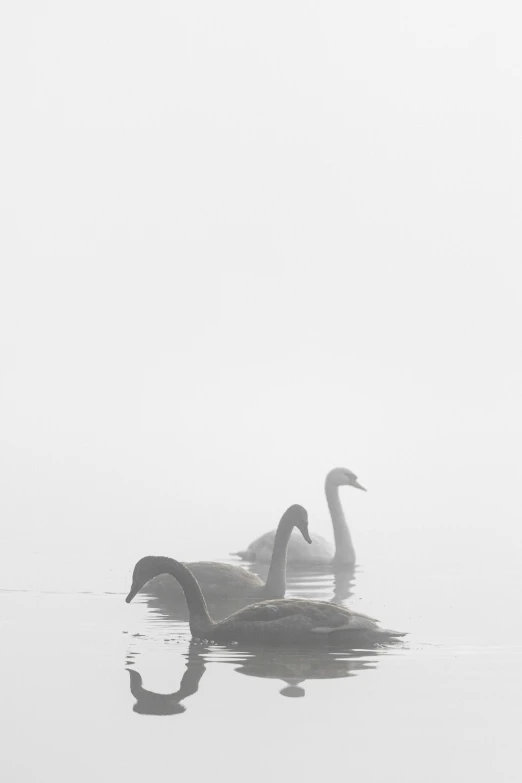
x=344 y=582
x=294 y=667
x=150 y=703
x=323 y=583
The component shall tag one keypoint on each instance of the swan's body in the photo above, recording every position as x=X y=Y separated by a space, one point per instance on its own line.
x=280 y=621
x=321 y=552
x=220 y=581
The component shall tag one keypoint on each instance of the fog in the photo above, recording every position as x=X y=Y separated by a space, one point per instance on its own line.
x=243 y=245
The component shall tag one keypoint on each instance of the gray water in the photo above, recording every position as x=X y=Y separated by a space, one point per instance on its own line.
x=95 y=689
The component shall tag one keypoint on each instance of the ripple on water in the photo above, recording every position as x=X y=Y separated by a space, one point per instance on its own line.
x=163 y=644
x=153 y=693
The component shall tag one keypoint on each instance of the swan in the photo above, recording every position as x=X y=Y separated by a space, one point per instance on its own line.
x=222 y=580
x=321 y=552
x=279 y=621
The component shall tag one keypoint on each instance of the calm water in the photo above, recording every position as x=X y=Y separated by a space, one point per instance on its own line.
x=94 y=689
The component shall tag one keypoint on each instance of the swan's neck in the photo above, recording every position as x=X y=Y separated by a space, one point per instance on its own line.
x=199 y=619
x=276 y=579
x=344 y=551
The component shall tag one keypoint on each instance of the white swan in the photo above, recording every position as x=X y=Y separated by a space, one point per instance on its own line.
x=321 y=551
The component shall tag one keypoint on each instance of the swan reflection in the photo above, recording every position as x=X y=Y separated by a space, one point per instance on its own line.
x=151 y=703
x=344 y=583
x=294 y=667
x=323 y=584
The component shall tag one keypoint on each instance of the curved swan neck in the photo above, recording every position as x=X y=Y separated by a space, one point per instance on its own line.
x=199 y=619
x=344 y=551
x=136 y=686
x=275 y=586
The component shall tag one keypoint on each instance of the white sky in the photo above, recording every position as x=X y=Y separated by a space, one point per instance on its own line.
x=244 y=243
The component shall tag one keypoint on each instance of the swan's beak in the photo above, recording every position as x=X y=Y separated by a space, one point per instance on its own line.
x=359 y=486
x=306 y=536
x=134 y=589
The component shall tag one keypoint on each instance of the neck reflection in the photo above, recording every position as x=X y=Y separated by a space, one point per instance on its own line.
x=151 y=703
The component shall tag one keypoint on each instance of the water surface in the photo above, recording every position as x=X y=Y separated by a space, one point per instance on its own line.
x=94 y=688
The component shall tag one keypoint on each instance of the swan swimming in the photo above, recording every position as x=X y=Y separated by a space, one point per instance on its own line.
x=321 y=552
x=279 y=621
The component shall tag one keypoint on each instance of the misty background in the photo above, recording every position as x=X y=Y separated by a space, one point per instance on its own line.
x=243 y=244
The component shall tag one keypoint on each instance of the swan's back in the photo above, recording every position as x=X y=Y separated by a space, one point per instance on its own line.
x=319 y=551
x=318 y=612
x=295 y=620
x=215 y=579
x=223 y=576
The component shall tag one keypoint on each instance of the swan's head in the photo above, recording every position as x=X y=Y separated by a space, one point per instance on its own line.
x=145 y=570
x=298 y=516
x=343 y=476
